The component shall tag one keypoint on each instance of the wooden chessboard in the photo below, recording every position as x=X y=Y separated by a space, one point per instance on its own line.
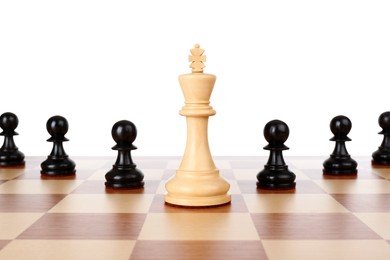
x=77 y=218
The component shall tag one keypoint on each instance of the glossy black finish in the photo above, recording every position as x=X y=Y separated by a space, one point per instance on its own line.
x=9 y=153
x=276 y=174
x=382 y=155
x=340 y=162
x=58 y=163
x=124 y=174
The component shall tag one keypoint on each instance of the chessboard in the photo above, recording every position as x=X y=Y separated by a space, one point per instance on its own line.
x=79 y=218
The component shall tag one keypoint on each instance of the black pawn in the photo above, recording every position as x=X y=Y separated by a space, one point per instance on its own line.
x=58 y=163
x=124 y=174
x=9 y=153
x=382 y=155
x=276 y=174
x=340 y=162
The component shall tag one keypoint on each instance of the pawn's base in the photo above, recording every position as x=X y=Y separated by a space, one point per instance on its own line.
x=197 y=189
x=381 y=158
x=276 y=178
x=9 y=159
x=124 y=185
x=380 y=164
x=58 y=167
x=275 y=186
x=12 y=164
x=57 y=173
x=124 y=177
x=339 y=173
x=342 y=166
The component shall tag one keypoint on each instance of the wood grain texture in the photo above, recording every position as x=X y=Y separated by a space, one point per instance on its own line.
x=86 y=226
x=217 y=250
x=311 y=226
x=324 y=218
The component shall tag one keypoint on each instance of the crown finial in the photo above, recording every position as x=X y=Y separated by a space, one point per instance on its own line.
x=197 y=59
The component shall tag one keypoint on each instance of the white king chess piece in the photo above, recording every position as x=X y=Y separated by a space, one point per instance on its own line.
x=197 y=182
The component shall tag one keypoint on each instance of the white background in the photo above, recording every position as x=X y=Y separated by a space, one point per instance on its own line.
x=97 y=62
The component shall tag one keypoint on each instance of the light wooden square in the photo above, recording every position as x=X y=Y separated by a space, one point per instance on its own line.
x=13 y=224
x=68 y=249
x=377 y=221
x=9 y=174
x=39 y=186
x=327 y=249
x=292 y=203
x=104 y=203
x=354 y=186
x=199 y=226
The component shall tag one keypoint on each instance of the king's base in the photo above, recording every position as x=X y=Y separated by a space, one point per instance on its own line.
x=198 y=201
x=197 y=189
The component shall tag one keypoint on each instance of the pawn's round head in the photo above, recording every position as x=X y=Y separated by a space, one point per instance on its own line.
x=57 y=126
x=384 y=121
x=9 y=121
x=124 y=131
x=340 y=126
x=276 y=132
